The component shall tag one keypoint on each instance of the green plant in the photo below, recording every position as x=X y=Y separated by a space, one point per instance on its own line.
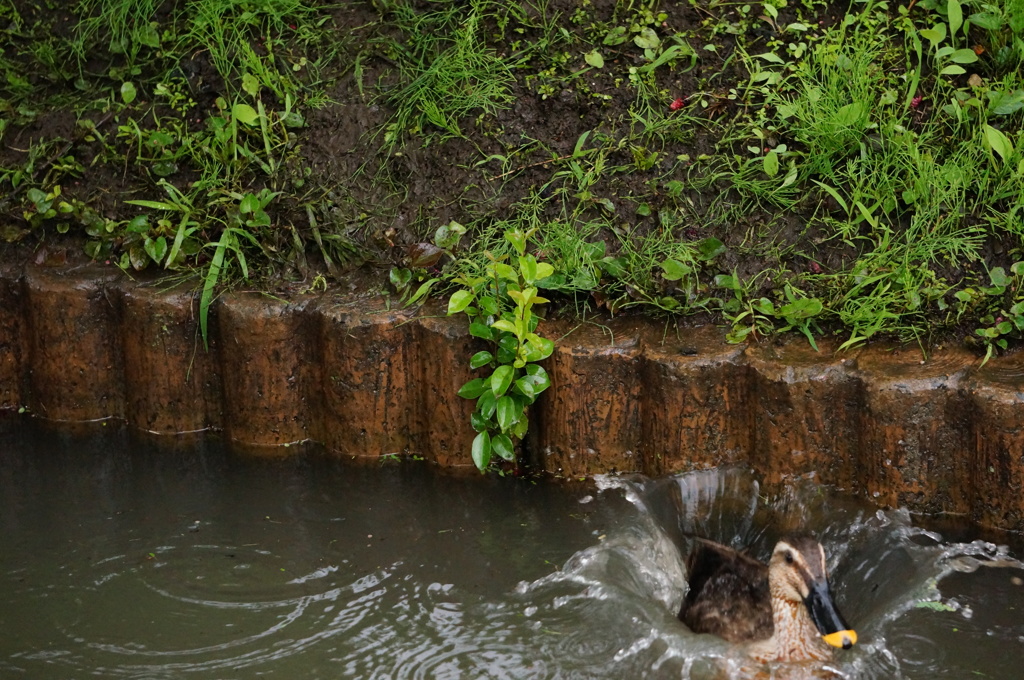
x=448 y=70
x=155 y=245
x=500 y=306
x=126 y=25
x=1006 y=322
x=749 y=317
x=799 y=312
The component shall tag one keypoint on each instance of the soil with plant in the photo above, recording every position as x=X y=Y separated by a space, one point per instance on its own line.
x=786 y=166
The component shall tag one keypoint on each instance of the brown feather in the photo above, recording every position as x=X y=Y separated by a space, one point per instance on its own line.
x=728 y=596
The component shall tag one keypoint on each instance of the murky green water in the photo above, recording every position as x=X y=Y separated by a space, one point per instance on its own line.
x=122 y=558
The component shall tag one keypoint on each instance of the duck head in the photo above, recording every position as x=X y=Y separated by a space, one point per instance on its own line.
x=797 y=573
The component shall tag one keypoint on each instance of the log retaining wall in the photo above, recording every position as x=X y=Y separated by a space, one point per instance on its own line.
x=942 y=435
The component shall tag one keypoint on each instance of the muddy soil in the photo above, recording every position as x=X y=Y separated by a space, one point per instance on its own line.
x=385 y=201
x=351 y=200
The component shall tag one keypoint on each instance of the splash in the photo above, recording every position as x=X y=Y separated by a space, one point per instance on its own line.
x=628 y=587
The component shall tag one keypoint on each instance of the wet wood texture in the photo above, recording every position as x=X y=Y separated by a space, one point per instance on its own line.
x=936 y=435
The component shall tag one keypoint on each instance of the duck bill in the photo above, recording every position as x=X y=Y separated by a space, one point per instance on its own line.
x=826 y=617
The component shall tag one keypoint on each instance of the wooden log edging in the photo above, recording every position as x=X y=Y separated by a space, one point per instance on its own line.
x=937 y=435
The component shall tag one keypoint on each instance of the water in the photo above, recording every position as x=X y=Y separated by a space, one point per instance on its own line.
x=128 y=558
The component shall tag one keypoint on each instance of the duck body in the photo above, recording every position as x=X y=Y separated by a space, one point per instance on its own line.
x=780 y=611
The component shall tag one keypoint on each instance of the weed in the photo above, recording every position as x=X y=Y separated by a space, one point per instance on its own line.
x=449 y=71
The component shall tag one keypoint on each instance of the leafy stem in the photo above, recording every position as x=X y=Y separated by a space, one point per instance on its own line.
x=501 y=306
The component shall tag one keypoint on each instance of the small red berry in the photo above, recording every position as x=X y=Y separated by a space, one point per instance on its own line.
x=677 y=104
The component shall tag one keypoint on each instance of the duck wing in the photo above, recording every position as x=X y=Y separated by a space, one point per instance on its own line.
x=728 y=594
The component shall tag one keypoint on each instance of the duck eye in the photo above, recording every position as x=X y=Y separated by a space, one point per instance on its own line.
x=789 y=557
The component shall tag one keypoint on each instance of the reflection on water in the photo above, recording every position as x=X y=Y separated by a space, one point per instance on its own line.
x=129 y=559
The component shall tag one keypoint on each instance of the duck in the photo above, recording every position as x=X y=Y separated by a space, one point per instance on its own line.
x=780 y=611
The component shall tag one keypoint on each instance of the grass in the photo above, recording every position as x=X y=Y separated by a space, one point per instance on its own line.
x=782 y=167
x=446 y=70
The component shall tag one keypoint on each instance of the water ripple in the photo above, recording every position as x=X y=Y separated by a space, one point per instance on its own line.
x=229 y=611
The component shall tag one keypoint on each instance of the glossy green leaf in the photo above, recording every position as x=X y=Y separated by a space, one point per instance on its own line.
x=482 y=450
x=148 y=36
x=506 y=356
x=727 y=281
x=459 y=300
x=519 y=429
x=525 y=387
x=488 y=305
x=501 y=379
x=479 y=422
x=1004 y=103
x=539 y=348
x=615 y=36
x=503 y=325
x=481 y=330
x=138 y=225
x=852 y=114
x=615 y=267
x=518 y=241
x=164 y=168
x=538 y=377
x=505 y=271
x=771 y=164
x=474 y=388
x=508 y=342
x=486 y=404
x=594 y=58
x=501 y=444
x=528 y=268
x=508 y=412
x=480 y=359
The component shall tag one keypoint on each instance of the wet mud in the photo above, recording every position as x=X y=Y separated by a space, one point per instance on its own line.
x=940 y=434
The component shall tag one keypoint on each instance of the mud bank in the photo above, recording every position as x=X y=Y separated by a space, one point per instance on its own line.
x=936 y=435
